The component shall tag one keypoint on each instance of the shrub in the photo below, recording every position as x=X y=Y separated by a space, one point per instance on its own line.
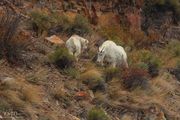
x=11 y=46
x=110 y=73
x=62 y=24
x=113 y=33
x=60 y=95
x=93 y=79
x=41 y=21
x=140 y=40
x=174 y=48
x=73 y=72
x=152 y=61
x=61 y=58
x=142 y=65
x=80 y=26
x=97 y=114
x=4 y=105
x=135 y=78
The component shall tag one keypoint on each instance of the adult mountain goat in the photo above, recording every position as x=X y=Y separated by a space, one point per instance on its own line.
x=113 y=54
x=76 y=45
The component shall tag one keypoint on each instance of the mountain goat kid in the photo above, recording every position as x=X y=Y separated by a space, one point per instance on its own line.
x=113 y=54
x=75 y=44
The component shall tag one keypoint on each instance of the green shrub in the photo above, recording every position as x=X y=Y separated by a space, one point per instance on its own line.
x=73 y=72
x=152 y=61
x=112 y=33
x=174 y=48
x=41 y=21
x=4 y=105
x=142 y=65
x=61 y=23
x=110 y=73
x=61 y=58
x=80 y=26
x=97 y=114
x=93 y=79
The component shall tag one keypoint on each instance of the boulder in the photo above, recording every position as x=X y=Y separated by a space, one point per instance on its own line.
x=54 y=40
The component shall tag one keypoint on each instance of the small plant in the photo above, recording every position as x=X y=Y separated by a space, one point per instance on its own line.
x=141 y=40
x=152 y=61
x=73 y=72
x=135 y=78
x=113 y=33
x=61 y=24
x=97 y=114
x=62 y=59
x=41 y=21
x=142 y=65
x=110 y=73
x=80 y=26
x=4 y=105
x=60 y=95
x=93 y=79
x=174 y=48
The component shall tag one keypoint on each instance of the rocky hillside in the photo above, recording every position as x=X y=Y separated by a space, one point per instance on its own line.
x=40 y=80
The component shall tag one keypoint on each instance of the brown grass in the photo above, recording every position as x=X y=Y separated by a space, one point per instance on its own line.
x=91 y=75
x=18 y=92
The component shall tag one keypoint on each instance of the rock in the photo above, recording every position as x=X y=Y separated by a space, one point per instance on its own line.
x=81 y=95
x=91 y=94
x=54 y=40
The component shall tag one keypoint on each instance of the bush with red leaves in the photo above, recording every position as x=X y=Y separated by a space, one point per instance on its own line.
x=135 y=78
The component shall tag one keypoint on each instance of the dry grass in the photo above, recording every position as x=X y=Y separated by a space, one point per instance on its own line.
x=18 y=93
x=60 y=94
x=92 y=74
x=31 y=94
x=93 y=78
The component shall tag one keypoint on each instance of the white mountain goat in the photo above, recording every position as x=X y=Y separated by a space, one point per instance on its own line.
x=76 y=44
x=113 y=54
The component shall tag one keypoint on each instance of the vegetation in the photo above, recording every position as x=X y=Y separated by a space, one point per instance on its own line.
x=97 y=114
x=41 y=21
x=15 y=94
x=11 y=47
x=60 y=95
x=53 y=86
x=110 y=73
x=80 y=26
x=54 y=22
x=73 y=72
x=135 y=78
x=113 y=33
x=174 y=48
x=152 y=6
x=146 y=60
x=93 y=79
x=62 y=59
